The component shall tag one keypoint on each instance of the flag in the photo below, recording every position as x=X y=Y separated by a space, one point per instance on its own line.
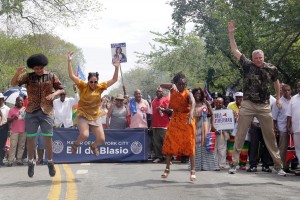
x=208 y=96
x=80 y=74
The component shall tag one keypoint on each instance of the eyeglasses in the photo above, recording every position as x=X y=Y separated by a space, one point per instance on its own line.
x=91 y=82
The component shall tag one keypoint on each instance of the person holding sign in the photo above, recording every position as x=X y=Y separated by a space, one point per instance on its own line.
x=88 y=111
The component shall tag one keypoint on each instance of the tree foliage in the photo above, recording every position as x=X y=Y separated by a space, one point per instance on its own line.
x=42 y=15
x=262 y=24
x=143 y=78
x=187 y=53
x=15 y=51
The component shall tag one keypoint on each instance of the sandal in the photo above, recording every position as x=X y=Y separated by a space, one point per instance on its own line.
x=193 y=175
x=95 y=150
x=74 y=148
x=166 y=173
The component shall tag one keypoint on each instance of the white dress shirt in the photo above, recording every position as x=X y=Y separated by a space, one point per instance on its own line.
x=294 y=112
x=4 y=109
x=280 y=114
x=63 y=111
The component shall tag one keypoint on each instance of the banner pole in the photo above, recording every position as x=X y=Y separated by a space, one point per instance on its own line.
x=124 y=89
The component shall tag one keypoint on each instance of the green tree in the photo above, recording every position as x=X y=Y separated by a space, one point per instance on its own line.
x=15 y=51
x=187 y=53
x=144 y=78
x=43 y=15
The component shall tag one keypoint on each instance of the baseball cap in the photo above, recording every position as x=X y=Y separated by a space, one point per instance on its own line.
x=1 y=96
x=238 y=94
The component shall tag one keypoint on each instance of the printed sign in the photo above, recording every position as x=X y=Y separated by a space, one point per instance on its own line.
x=224 y=119
x=118 y=50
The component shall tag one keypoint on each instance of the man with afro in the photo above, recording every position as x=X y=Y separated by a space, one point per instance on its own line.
x=40 y=85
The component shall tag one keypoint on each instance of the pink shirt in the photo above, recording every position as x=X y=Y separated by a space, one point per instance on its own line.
x=139 y=120
x=17 y=126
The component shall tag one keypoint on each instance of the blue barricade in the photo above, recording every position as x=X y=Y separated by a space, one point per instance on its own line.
x=121 y=145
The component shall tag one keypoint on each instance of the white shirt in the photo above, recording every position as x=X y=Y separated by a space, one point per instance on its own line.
x=63 y=111
x=280 y=115
x=294 y=112
x=4 y=109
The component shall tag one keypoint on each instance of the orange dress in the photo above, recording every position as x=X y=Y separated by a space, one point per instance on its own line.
x=180 y=136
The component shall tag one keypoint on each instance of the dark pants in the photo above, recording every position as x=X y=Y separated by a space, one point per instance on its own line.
x=3 y=138
x=258 y=149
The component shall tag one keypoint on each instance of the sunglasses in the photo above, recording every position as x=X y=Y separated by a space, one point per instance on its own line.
x=91 y=82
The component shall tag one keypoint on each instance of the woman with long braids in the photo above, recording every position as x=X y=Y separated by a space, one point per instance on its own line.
x=88 y=111
x=180 y=136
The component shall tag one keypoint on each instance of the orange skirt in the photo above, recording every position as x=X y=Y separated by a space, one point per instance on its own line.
x=180 y=136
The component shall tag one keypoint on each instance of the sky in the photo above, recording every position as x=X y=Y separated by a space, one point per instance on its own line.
x=122 y=21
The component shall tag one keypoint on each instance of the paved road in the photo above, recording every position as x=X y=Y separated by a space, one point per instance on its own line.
x=142 y=181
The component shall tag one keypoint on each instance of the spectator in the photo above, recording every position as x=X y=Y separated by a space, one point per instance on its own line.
x=203 y=114
x=258 y=150
x=105 y=105
x=214 y=96
x=235 y=106
x=221 y=138
x=39 y=111
x=17 y=127
x=293 y=120
x=3 y=128
x=116 y=115
x=159 y=123
x=138 y=110
x=63 y=110
x=280 y=123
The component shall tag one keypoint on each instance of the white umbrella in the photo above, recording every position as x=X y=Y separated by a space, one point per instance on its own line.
x=11 y=94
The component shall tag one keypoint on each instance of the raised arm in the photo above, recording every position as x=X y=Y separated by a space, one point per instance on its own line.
x=233 y=46
x=116 y=73
x=74 y=78
x=169 y=86
x=14 y=80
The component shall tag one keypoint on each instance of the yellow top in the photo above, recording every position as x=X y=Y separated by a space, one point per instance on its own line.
x=233 y=106
x=90 y=100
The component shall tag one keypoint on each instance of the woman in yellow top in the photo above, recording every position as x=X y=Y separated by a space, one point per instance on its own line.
x=180 y=137
x=88 y=111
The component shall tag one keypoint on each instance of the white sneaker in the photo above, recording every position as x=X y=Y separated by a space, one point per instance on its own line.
x=232 y=169
x=157 y=160
x=280 y=171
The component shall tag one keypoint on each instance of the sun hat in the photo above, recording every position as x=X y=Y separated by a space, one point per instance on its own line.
x=120 y=97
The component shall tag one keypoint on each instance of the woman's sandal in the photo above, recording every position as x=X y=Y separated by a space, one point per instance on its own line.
x=74 y=148
x=166 y=173
x=95 y=150
x=193 y=175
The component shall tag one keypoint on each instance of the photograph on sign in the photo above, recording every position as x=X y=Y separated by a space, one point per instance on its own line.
x=118 y=50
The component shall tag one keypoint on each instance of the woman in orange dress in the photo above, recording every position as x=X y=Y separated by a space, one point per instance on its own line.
x=181 y=132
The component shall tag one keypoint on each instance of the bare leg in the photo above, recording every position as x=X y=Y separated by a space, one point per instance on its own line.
x=193 y=172
x=167 y=170
x=30 y=147
x=48 y=142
